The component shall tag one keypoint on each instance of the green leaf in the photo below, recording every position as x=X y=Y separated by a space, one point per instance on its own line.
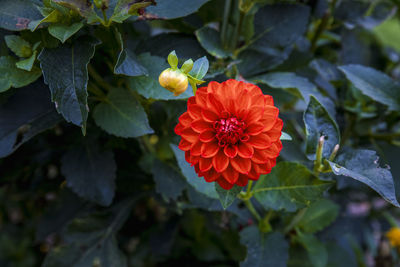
x=226 y=197
x=362 y=165
x=318 y=216
x=173 y=60
x=319 y=123
x=127 y=62
x=169 y=182
x=24 y=115
x=27 y=64
x=280 y=24
x=90 y=173
x=129 y=65
x=11 y=76
x=19 y=46
x=210 y=41
x=15 y=15
x=171 y=9
x=289 y=186
x=122 y=115
x=64 y=32
x=302 y=87
x=264 y=249
x=200 y=68
x=126 y=8
x=148 y=86
x=285 y=136
x=65 y=71
x=187 y=66
x=387 y=33
x=316 y=250
x=50 y=16
x=276 y=28
x=374 y=84
x=83 y=7
x=192 y=178
x=91 y=241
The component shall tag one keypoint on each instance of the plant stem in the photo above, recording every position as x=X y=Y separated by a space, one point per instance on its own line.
x=98 y=79
x=105 y=17
x=238 y=30
x=252 y=210
x=225 y=19
x=296 y=219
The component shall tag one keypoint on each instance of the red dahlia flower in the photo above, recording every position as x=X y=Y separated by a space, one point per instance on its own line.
x=230 y=133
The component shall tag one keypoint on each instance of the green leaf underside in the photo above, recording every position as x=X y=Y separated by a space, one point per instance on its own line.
x=14 y=120
x=318 y=216
x=169 y=182
x=163 y=9
x=286 y=136
x=65 y=71
x=375 y=84
x=19 y=46
x=210 y=41
x=227 y=197
x=264 y=249
x=319 y=123
x=288 y=81
x=122 y=115
x=90 y=173
x=192 y=178
x=127 y=62
x=289 y=186
x=11 y=76
x=15 y=15
x=200 y=68
x=27 y=64
x=316 y=250
x=64 y=32
x=148 y=86
x=91 y=241
x=362 y=165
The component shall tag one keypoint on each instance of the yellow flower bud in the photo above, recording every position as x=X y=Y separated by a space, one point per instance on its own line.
x=174 y=81
x=394 y=237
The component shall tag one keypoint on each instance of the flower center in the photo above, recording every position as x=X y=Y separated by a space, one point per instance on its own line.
x=229 y=131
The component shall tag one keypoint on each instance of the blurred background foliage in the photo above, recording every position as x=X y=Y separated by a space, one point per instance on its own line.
x=118 y=192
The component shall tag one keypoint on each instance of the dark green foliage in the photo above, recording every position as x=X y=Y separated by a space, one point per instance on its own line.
x=90 y=169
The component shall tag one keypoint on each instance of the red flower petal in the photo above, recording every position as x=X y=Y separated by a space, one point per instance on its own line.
x=261 y=141
x=242 y=180
x=254 y=129
x=245 y=150
x=205 y=164
x=209 y=115
x=230 y=175
x=184 y=145
x=194 y=111
x=207 y=136
x=220 y=161
x=196 y=148
x=190 y=135
x=201 y=126
x=185 y=119
x=274 y=150
x=241 y=165
x=224 y=184
x=210 y=149
x=231 y=151
x=211 y=175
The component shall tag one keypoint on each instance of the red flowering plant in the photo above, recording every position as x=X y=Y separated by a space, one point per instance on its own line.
x=230 y=133
x=258 y=146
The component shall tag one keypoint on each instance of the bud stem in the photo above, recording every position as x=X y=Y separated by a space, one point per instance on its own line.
x=318 y=159
x=334 y=152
